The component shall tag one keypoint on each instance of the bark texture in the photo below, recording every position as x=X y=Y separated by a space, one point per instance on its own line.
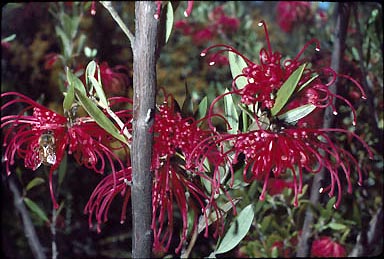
x=144 y=88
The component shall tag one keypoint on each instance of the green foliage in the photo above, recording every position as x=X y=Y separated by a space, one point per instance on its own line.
x=237 y=231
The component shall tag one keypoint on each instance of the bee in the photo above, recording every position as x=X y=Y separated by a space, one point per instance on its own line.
x=47 y=149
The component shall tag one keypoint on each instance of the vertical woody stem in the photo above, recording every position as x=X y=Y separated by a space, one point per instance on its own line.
x=144 y=91
x=342 y=18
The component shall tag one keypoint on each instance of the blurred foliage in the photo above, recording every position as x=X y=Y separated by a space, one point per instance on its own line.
x=24 y=59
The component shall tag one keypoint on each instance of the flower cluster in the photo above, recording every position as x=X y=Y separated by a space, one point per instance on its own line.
x=290 y=14
x=42 y=136
x=277 y=143
x=323 y=246
x=175 y=138
x=219 y=23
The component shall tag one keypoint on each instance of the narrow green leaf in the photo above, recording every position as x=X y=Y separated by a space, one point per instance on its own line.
x=169 y=22
x=99 y=91
x=287 y=89
x=337 y=226
x=202 y=109
x=70 y=95
x=75 y=81
x=90 y=70
x=100 y=118
x=307 y=83
x=236 y=64
x=67 y=25
x=67 y=46
x=237 y=231
x=213 y=217
x=9 y=38
x=80 y=44
x=330 y=204
x=231 y=113
x=35 y=182
x=296 y=114
x=187 y=109
x=35 y=209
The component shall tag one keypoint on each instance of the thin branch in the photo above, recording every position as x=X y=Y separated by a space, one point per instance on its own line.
x=372 y=243
x=29 y=229
x=108 y=5
x=342 y=18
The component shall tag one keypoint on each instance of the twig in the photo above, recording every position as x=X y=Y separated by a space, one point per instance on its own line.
x=108 y=5
x=53 y=232
x=191 y=244
x=342 y=17
x=29 y=229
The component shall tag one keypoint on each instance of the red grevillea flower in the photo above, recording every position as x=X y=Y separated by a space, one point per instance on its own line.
x=115 y=79
x=105 y=192
x=174 y=140
x=291 y=12
x=278 y=147
x=40 y=136
x=223 y=22
x=175 y=188
x=326 y=247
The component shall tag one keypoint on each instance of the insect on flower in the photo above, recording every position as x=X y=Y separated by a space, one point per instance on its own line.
x=47 y=149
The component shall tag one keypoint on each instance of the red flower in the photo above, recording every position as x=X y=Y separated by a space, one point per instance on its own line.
x=277 y=147
x=184 y=26
x=203 y=35
x=326 y=247
x=277 y=186
x=115 y=80
x=43 y=136
x=289 y=13
x=50 y=60
x=221 y=20
x=174 y=183
x=105 y=192
x=174 y=140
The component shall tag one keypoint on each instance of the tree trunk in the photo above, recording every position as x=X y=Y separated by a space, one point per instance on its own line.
x=144 y=95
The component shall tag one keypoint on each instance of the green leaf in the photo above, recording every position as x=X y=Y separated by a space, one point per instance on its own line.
x=231 y=113
x=67 y=46
x=75 y=81
x=100 y=118
x=287 y=89
x=307 y=83
x=99 y=92
x=213 y=217
x=237 y=231
x=330 y=204
x=296 y=114
x=9 y=38
x=35 y=181
x=70 y=95
x=80 y=45
x=90 y=70
x=202 y=109
x=187 y=109
x=337 y=226
x=169 y=22
x=36 y=209
x=236 y=64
